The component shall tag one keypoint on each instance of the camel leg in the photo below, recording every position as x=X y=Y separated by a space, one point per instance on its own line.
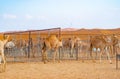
x=8 y=51
x=81 y=57
x=32 y=52
x=44 y=56
x=100 y=56
x=108 y=55
x=97 y=49
x=101 y=52
x=4 y=61
x=87 y=55
x=110 y=50
x=91 y=55
x=116 y=50
x=77 y=53
x=62 y=51
x=54 y=55
x=71 y=52
x=58 y=51
x=0 y=58
x=25 y=51
x=82 y=53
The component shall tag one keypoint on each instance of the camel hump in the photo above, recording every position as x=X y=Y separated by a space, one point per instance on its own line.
x=52 y=37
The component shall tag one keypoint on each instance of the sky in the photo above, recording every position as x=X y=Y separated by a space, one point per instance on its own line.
x=17 y=15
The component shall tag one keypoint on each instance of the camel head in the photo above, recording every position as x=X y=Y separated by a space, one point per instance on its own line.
x=6 y=38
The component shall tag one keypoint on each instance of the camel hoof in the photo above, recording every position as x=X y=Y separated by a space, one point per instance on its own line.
x=83 y=61
x=59 y=61
x=94 y=61
x=45 y=62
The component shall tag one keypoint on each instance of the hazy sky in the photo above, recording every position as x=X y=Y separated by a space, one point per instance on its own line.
x=42 y=14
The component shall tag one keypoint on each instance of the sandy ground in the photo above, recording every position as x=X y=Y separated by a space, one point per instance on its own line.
x=69 y=69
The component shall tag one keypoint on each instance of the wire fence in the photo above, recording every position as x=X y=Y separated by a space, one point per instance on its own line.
x=28 y=44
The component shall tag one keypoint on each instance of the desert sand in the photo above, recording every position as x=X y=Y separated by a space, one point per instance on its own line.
x=67 y=69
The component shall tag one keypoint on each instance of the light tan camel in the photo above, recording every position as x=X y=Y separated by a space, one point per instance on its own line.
x=109 y=42
x=50 y=43
x=2 y=44
x=72 y=43
x=9 y=46
x=99 y=42
x=84 y=49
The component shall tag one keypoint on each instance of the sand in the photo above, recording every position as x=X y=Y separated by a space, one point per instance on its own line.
x=67 y=69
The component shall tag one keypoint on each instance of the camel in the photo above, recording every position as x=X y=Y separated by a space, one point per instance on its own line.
x=81 y=46
x=84 y=48
x=50 y=43
x=24 y=47
x=9 y=46
x=71 y=44
x=116 y=44
x=99 y=42
x=21 y=47
x=2 y=44
x=109 y=42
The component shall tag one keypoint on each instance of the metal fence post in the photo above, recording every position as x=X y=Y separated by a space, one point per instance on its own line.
x=116 y=62
x=117 y=59
x=29 y=44
x=59 y=39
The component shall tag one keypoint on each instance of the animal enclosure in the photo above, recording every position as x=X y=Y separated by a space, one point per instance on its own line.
x=27 y=45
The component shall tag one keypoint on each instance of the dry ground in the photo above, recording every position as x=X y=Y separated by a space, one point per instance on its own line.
x=69 y=69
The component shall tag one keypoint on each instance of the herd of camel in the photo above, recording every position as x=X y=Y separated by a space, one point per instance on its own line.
x=102 y=44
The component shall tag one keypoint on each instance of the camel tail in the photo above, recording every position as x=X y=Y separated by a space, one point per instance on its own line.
x=91 y=46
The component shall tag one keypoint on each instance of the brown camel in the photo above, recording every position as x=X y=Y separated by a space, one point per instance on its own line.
x=99 y=42
x=116 y=44
x=50 y=43
x=109 y=42
x=71 y=44
x=2 y=44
